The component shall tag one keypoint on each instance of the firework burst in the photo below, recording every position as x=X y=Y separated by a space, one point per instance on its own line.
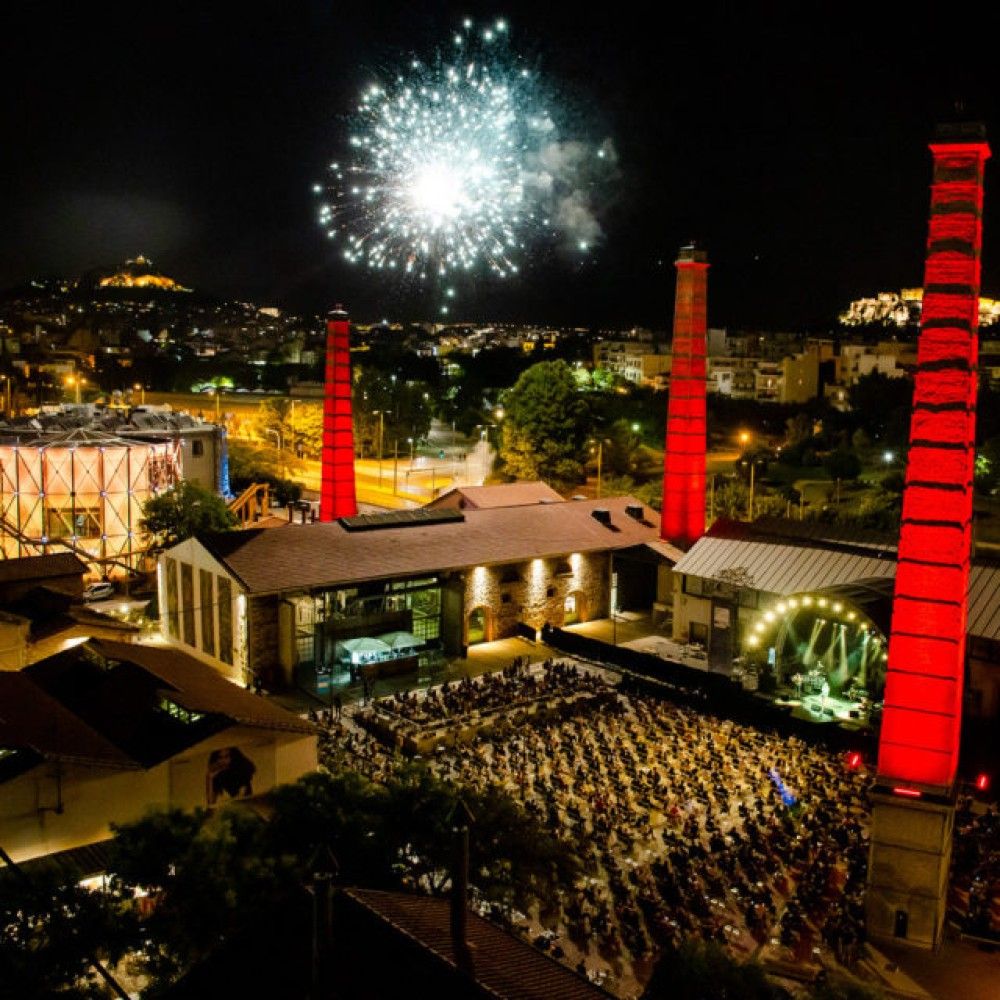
x=455 y=167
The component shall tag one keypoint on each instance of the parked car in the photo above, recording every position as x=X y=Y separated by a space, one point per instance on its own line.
x=99 y=591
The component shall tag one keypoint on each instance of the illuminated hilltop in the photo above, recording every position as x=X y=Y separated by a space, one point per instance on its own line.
x=139 y=273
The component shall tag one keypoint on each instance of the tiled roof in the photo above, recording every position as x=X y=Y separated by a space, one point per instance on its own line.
x=199 y=688
x=501 y=963
x=499 y=495
x=984 y=601
x=312 y=555
x=801 y=561
x=40 y=567
x=33 y=720
x=105 y=698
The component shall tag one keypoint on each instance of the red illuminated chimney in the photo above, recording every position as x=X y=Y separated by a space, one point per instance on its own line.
x=923 y=693
x=683 y=518
x=337 y=496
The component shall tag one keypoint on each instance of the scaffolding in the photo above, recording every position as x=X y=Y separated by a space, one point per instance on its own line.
x=82 y=490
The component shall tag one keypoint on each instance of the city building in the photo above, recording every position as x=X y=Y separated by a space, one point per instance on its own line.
x=291 y=605
x=501 y=495
x=634 y=361
x=105 y=731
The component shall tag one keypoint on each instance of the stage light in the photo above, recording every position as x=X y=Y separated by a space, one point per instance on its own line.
x=753 y=641
x=806 y=601
x=838 y=607
x=782 y=608
x=769 y=616
x=759 y=626
x=792 y=602
x=822 y=602
x=851 y=615
x=982 y=782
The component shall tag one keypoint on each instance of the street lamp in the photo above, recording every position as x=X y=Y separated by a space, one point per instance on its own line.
x=600 y=458
x=77 y=382
x=409 y=441
x=381 y=433
x=142 y=391
x=744 y=438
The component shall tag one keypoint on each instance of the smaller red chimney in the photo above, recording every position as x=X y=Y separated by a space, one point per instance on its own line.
x=337 y=493
x=682 y=520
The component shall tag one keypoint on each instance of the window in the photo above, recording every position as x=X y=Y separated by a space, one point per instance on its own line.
x=197 y=448
x=64 y=522
x=172 y=602
x=207 y=598
x=187 y=604
x=224 y=590
x=693 y=586
x=179 y=712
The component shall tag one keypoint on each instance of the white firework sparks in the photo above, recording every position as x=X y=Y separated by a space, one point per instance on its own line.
x=449 y=169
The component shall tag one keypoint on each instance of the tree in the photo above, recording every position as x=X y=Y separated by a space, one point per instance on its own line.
x=51 y=933
x=545 y=425
x=698 y=971
x=184 y=510
x=842 y=464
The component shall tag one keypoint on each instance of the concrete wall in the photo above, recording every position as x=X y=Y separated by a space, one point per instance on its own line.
x=92 y=798
x=908 y=869
x=209 y=649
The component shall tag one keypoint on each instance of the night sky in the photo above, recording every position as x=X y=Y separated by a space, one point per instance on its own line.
x=792 y=144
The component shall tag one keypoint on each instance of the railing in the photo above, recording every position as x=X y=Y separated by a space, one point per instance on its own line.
x=252 y=504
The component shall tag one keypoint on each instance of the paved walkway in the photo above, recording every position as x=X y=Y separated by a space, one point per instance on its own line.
x=959 y=971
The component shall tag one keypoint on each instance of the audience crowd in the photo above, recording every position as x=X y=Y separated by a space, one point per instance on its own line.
x=975 y=892
x=688 y=825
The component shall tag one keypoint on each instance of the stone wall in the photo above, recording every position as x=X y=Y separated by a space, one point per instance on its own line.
x=264 y=633
x=535 y=592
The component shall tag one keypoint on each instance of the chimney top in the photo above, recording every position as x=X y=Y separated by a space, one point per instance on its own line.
x=692 y=253
x=959 y=131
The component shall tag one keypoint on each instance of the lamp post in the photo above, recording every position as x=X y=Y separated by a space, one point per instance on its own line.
x=218 y=407
x=142 y=393
x=409 y=441
x=76 y=382
x=381 y=432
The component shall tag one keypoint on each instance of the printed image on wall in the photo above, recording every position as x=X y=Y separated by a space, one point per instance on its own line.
x=229 y=775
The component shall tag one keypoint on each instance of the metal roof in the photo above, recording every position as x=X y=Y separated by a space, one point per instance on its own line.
x=783 y=568
x=791 y=565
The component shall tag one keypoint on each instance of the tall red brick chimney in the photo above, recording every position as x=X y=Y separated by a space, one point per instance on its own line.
x=913 y=798
x=337 y=493
x=682 y=520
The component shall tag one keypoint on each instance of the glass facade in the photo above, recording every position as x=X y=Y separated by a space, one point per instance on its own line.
x=324 y=621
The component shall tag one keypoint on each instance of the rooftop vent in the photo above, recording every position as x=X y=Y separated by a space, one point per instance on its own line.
x=603 y=515
x=635 y=511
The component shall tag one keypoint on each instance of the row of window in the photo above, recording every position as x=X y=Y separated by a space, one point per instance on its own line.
x=215 y=603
